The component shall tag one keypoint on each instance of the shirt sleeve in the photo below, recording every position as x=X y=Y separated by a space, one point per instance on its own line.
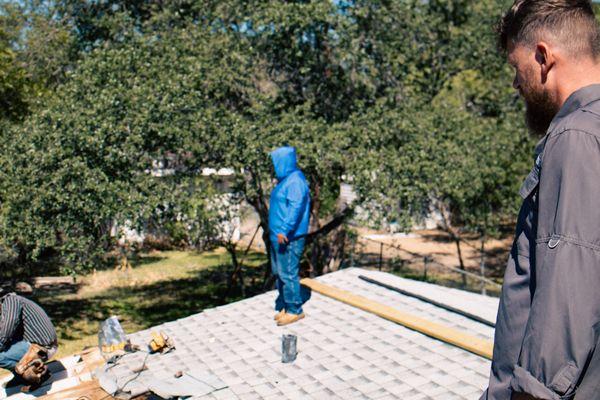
x=513 y=310
x=296 y=200
x=9 y=320
x=563 y=326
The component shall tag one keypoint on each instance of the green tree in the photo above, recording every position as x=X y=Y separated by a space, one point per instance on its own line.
x=13 y=84
x=408 y=99
x=455 y=143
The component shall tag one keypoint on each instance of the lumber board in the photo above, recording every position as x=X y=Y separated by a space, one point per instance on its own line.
x=90 y=390
x=481 y=347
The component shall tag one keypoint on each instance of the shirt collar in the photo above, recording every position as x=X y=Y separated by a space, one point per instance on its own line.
x=578 y=99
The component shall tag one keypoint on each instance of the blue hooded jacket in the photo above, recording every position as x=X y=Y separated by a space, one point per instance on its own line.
x=289 y=209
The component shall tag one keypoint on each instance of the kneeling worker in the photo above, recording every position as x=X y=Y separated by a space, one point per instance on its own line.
x=27 y=340
x=289 y=214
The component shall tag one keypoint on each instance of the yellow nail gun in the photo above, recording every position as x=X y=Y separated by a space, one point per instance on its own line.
x=125 y=347
x=160 y=342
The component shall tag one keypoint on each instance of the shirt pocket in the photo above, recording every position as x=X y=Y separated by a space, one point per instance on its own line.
x=532 y=181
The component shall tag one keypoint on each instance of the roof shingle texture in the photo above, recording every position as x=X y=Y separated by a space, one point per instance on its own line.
x=343 y=352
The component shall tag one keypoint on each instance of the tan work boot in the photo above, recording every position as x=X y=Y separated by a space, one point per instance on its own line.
x=289 y=319
x=32 y=368
x=279 y=315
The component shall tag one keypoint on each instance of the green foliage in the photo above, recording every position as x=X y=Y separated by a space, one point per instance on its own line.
x=408 y=99
x=456 y=142
x=42 y=47
x=13 y=85
x=85 y=161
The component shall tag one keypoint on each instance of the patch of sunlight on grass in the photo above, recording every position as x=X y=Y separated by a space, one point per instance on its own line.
x=152 y=267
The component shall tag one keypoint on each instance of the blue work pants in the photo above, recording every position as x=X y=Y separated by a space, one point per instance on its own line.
x=285 y=265
x=13 y=354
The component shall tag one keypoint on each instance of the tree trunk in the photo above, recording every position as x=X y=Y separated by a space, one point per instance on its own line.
x=259 y=203
x=338 y=245
x=316 y=262
x=231 y=276
x=482 y=264
x=454 y=234
x=460 y=259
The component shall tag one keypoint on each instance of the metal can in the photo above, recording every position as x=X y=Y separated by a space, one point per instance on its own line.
x=288 y=348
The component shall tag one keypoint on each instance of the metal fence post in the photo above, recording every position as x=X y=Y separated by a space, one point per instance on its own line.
x=425 y=261
x=483 y=288
x=380 y=255
x=482 y=269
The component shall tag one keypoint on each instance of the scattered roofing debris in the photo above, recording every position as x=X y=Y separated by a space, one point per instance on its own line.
x=141 y=372
x=343 y=351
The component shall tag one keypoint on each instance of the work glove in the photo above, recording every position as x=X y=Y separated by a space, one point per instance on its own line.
x=282 y=239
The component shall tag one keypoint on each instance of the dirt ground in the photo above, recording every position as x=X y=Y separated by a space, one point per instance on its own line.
x=437 y=245
x=405 y=254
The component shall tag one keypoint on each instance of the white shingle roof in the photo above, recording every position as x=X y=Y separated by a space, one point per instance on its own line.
x=343 y=352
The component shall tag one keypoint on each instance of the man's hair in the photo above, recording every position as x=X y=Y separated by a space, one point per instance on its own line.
x=570 y=24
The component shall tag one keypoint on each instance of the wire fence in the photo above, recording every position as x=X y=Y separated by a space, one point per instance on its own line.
x=395 y=259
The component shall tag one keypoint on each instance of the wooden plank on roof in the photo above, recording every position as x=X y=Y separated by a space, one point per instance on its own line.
x=89 y=390
x=441 y=332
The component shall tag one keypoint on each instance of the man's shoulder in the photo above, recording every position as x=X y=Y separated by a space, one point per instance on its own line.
x=11 y=300
x=585 y=120
x=297 y=177
x=574 y=140
x=11 y=296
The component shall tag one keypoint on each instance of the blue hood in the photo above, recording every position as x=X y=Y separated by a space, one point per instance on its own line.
x=284 y=161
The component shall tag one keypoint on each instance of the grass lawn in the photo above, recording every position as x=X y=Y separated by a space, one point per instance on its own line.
x=161 y=287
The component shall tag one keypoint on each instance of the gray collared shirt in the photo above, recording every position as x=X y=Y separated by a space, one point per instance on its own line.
x=548 y=324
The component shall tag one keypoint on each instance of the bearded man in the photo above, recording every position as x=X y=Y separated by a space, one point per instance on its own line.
x=547 y=341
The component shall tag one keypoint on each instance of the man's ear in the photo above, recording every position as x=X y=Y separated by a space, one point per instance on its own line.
x=545 y=59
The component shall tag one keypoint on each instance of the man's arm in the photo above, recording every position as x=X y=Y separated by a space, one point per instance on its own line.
x=295 y=196
x=10 y=320
x=515 y=300
x=562 y=327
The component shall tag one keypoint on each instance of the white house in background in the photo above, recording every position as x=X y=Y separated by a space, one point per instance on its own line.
x=125 y=234
x=218 y=172
x=168 y=166
x=363 y=214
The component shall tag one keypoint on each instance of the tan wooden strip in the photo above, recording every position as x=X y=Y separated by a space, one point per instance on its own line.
x=90 y=390
x=446 y=334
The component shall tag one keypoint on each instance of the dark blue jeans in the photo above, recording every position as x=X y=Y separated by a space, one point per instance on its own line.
x=13 y=354
x=285 y=265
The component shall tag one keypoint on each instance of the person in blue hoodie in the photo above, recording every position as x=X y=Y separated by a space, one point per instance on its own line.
x=289 y=215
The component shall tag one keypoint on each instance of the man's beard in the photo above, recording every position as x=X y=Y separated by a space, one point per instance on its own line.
x=541 y=108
